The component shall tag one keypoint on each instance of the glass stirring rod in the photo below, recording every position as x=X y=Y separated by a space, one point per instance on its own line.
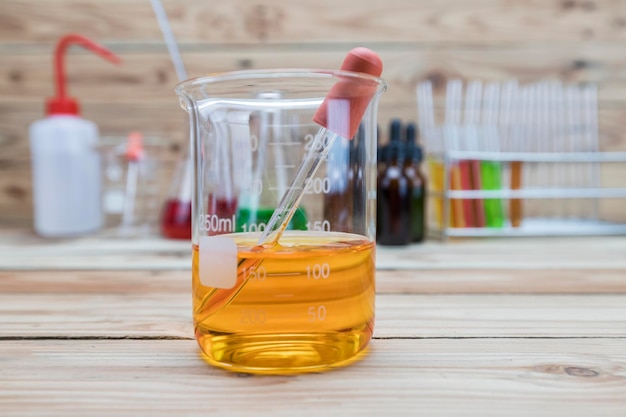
x=339 y=115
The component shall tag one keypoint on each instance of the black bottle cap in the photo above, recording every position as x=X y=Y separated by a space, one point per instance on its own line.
x=414 y=150
x=395 y=130
x=411 y=133
x=396 y=150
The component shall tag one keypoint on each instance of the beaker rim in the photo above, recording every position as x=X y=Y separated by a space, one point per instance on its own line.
x=250 y=74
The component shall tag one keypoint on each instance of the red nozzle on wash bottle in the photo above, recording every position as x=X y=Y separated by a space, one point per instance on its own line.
x=62 y=104
x=134 y=147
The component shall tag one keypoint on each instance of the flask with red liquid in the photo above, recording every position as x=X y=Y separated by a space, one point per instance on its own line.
x=176 y=216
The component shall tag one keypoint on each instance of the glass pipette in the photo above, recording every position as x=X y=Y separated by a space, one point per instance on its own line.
x=341 y=97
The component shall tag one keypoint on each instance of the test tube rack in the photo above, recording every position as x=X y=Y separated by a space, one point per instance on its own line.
x=512 y=160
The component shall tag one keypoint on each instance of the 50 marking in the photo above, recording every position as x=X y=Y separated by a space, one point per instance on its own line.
x=316 y=313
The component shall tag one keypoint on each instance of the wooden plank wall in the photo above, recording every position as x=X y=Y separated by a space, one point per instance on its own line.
x=570 y=40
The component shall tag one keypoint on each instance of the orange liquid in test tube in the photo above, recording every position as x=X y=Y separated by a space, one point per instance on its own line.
x=456 y=205
x=436 y=184
x=515 y=210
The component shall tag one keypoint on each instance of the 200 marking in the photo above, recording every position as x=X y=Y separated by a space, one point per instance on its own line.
x=317 y=185
x=253 y=316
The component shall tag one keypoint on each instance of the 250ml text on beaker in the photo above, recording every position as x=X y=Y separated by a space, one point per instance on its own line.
x=215 y=224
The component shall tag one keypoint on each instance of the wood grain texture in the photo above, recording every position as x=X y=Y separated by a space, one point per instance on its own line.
x=301 y=22
x=472 y=377
x=175 y=275
x=166 y=121
x=474 y=328
x=161 y=314
x=146 y=75
x=87 y=288
x=23 y=251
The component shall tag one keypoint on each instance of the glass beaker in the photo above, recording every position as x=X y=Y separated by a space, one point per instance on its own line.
x=306 y=302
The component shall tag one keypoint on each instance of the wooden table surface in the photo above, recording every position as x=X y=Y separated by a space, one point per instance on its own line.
x=102 y=327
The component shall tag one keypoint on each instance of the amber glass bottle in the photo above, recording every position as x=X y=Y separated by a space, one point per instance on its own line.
x=413 y=171
x=394 y=192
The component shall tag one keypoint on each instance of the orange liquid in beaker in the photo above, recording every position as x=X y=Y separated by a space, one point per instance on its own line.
x=306 y=304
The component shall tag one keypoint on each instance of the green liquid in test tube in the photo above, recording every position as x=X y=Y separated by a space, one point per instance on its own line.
x=491 y=171
x=491 y=174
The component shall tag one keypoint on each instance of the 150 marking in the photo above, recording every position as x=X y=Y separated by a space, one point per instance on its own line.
x=255 y=273
x=318 y=226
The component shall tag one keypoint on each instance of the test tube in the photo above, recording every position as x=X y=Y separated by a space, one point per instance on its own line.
x=451 y=136
x=491 y=171
x=520 y=134
x=474 y=208
x=434 y=146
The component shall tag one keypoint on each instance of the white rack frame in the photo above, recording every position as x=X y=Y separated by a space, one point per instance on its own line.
x=530 y=226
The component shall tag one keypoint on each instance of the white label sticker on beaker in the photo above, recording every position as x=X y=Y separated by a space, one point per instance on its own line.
x=217 y=262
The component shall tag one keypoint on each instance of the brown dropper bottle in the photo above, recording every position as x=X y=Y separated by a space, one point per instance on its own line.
x=394 y=192
x=413 y=171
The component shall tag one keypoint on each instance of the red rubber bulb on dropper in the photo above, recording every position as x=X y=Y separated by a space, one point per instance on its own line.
x=348 y=98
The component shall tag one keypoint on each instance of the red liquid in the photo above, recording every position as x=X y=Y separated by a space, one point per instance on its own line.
x=224 y=209
x=176 y=222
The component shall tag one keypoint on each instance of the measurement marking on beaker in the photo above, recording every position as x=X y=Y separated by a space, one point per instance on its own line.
x=284 y=166
x=282 y=274
x=316 y=313
x=253 y=273
x=284 y=143
x=214 y=223
x=276 y=188
x=317 y=185
x=253 y=316
x=318 y=271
